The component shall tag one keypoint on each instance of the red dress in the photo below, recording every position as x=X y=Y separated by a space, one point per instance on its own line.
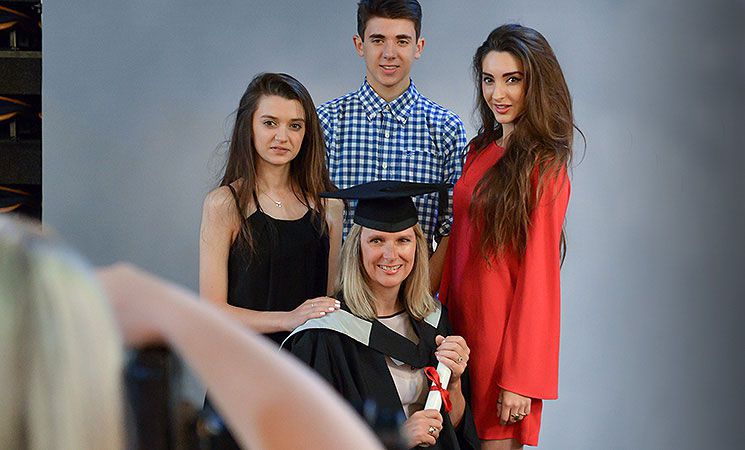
x=508 y=311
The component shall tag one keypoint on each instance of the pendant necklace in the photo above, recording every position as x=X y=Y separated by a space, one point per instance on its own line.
x=278 y=204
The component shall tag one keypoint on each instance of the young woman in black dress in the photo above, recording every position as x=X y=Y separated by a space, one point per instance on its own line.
x=269 y=244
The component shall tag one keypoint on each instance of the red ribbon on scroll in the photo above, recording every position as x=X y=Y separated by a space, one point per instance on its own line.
x=432 y=374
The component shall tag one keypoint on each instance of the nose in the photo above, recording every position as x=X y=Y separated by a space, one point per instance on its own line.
x=280 y=135
x=389 y=251
x=389 y=50
x=497 y=92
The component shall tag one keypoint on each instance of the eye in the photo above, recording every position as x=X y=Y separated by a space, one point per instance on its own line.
x=486 y=79
x=376 y=41
x=404 y=240
x=375 y=241
x=513 y=79
x=296 y=126
x=403 y=42
x=269 y=123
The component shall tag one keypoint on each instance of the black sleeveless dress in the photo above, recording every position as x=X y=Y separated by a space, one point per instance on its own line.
x=288 y=266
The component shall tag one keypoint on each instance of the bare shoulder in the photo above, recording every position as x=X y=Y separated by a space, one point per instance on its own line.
x=334 y=210
x=220 y=201
x=334 y=205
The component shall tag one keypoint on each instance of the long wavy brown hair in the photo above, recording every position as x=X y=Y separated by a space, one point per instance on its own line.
x=539 y=146
x=308 y=173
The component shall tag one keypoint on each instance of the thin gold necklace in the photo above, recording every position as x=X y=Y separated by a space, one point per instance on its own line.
x=278 y=204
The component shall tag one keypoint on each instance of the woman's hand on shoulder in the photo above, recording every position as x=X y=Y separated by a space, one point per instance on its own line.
x=423 y=428
x=454 y=353
x=309 y=309
x=512 y=407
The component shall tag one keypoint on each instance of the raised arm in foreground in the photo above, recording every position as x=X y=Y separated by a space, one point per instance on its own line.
x=285 y=405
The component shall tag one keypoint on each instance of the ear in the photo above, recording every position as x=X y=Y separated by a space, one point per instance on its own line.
x=419 y=48
x=358 y=45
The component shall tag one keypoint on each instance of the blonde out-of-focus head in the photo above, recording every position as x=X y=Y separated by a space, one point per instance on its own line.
x=60 y=352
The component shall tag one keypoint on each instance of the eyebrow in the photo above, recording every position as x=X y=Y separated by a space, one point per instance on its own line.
x=398 y=36
x=507 y=74
x=269 y=116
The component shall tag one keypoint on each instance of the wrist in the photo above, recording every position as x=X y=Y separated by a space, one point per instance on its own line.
x=454 y=386
x=284 y=321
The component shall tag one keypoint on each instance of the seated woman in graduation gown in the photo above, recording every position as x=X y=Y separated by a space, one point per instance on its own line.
x=390 y=328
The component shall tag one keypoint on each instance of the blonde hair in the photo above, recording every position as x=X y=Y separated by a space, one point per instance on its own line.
x=60 y=379
x=355 y=282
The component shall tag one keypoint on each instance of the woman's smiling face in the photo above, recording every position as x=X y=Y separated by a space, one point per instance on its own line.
x=503 y=86
x=388 y=258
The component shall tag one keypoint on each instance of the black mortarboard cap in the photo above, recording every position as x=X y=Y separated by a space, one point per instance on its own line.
x=387 y=205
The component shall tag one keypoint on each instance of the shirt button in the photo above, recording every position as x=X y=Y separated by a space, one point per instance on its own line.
x=385 y=165
x=387 y=134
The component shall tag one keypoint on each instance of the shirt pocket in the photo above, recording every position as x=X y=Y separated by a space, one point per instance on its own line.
x=423 y=163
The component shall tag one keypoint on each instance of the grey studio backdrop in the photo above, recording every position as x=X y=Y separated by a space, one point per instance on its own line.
x=137 y=98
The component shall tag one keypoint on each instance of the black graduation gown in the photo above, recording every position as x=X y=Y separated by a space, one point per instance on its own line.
x=359 y=372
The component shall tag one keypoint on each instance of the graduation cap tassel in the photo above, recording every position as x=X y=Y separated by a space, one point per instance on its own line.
x=438 y=392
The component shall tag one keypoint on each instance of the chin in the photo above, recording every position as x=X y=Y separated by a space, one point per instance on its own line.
x=388 y=283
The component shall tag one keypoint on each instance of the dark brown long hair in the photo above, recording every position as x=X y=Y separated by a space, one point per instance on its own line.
x=308 y=172
x=539 y=146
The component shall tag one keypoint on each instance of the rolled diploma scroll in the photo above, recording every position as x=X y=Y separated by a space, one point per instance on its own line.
x=434 y=399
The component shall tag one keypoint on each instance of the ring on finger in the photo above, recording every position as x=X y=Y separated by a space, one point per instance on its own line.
x=431 y=430
x=460 y=359
x=516 y=417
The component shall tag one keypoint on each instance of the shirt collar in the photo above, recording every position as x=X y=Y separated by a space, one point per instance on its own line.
x=374 y=104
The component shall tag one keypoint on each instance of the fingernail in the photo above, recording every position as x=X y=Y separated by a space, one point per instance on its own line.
x=323 y=313
x=331 y=309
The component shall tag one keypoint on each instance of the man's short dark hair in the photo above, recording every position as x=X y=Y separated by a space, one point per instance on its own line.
x=389 y=9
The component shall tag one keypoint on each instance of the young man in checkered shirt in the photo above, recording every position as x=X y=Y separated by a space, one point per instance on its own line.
x=387 y=130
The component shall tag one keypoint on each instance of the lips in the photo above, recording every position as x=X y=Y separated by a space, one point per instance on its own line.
x=501 y=109
x=279 y=149
x=392 y=269
x=388 y=69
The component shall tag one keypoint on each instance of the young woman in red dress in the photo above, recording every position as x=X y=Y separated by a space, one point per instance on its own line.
x=501 y=277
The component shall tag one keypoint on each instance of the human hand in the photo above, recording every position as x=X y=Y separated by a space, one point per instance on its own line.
x=422 y=428
x=512 y=407
x=310 y=309
x=453 y=352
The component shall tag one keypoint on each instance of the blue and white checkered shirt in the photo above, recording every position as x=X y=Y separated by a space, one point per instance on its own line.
x=409 y=139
